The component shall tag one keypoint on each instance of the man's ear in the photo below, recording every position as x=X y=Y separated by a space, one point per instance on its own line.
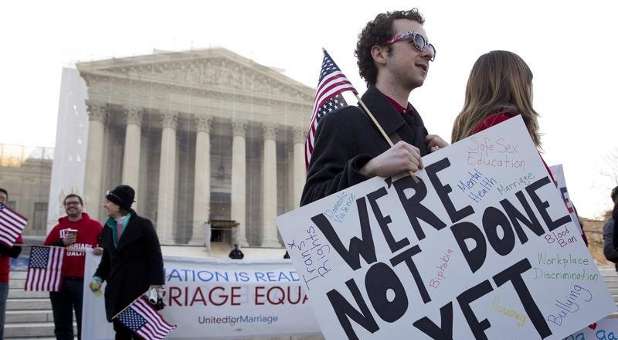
x=379 y=54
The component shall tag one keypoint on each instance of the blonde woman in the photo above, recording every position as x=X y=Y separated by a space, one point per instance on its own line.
x=499 y=87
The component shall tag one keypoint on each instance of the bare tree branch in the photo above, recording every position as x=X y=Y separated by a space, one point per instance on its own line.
x=611 y=169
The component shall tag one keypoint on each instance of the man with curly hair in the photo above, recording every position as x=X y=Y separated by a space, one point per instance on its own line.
x=393 y=55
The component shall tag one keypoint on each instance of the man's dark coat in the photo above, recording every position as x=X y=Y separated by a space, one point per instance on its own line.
x=347 y=139
x=132 y=266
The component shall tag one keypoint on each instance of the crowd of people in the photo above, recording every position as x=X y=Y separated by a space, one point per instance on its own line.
x=131 y=262
x=394 y=56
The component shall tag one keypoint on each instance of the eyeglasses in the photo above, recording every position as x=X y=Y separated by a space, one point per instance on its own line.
x=417 y=40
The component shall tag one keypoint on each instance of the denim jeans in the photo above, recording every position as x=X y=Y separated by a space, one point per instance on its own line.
x=4 y=293
x=69 y=298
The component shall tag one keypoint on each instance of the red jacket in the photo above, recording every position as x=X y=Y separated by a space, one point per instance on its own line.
x=5 y=261
x=88 y=231
x=497 y=118
x=491 y=120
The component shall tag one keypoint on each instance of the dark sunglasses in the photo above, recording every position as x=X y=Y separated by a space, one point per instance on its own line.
x=417 y=40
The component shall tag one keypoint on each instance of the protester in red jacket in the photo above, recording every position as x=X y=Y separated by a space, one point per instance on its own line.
x=78 y=233
x=499 y=88
x=5 y=266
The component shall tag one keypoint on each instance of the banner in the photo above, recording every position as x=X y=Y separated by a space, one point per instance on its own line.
x=217 y=299
x=478 y=245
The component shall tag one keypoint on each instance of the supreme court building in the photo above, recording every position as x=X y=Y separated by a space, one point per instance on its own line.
x=202 y=136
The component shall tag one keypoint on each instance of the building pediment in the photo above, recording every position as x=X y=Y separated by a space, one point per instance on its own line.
x=214 y=69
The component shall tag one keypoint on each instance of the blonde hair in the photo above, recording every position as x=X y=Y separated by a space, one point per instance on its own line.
x=500 y=81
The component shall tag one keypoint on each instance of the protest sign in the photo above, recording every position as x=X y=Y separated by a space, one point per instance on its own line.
x=558 y=172
x=479 y=246
x=605 y=329
x=209 y=299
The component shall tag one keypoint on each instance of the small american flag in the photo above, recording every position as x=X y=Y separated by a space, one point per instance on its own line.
x=11 y=225
x=44 y=269
x=143 y=320
x=328 y=98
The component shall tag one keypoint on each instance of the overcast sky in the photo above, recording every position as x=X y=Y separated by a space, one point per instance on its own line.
x=570 y=47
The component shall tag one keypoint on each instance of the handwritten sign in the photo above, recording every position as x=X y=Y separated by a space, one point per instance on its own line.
x=605 y=329
x=482 y=245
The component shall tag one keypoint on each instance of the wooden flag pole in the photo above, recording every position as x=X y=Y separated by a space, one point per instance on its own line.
x=373 y=119
x=375 y=122
x=45 y=245
x=36 y=245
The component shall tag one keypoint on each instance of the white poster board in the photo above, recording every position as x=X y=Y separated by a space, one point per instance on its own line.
x=481 y=246
x=605 y=329
x=211 y=299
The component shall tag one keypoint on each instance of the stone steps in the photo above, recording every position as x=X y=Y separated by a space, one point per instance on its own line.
x=17 y=283
x=28 y=316
x=28 y=304
x=22 y=294
x=34 y=330
x=28 y=330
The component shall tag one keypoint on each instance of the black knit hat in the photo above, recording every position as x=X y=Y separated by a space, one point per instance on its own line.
x=122 y=195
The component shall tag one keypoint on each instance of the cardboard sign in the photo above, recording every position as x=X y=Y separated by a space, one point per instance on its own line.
x=480 y=246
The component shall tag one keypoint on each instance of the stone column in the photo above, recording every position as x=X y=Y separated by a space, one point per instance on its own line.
x=94 y=158
x=269 y=192
x=167 y=179
x=239 y=175
x=132 y=144
x=299 y=164
x=201 y=196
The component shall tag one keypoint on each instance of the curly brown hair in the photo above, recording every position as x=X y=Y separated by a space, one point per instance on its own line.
x=377 y=32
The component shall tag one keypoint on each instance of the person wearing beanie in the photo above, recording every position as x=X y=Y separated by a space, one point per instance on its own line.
x=78 y=233
x=132 y=263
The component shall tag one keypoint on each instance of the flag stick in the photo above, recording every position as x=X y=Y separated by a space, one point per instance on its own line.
x=373 y=119
x=35 y=245
x=375 y=122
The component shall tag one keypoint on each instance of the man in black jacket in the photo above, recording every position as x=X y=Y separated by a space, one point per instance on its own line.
x=393 y=57
x=236 y=253
x=132 y=263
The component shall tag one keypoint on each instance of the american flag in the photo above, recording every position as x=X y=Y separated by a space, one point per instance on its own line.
x=328 y=98
x=143 y=320
x=44 y=269
x=11 y=225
